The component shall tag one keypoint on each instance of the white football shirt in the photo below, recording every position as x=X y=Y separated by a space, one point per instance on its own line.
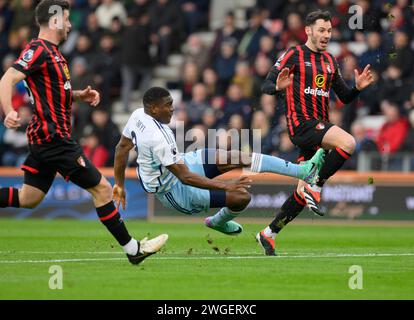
x=156 y=148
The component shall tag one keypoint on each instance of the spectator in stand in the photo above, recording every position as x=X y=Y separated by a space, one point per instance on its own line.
x=23 y=14
x=409 y=141
x=250 y=43
x=107 y=132
x=267 y=48
x=262 y=142
x=195 y=51
x=136 y=61
x=409 y=104
x=369 y=96
x=198 y=104
x=363 y=144
x=209 y=118
x=294 y=30
x=235 y=126
x=94 y=150
x=167 y=27
x=195 y=14
x=116 y=30
x=16 y=140
x=228 y=31
x=393 y=87
x=394 y=131
x=225 y=65
x=93 y=30
x=244 y=79
x=6 y=16
x=401 y=55
x=81 y=77
x=272 y=9
x=139 y=7
x=262 y=66
x=108 y=10
x=268 y=104
x=374 y=55
x=236 y=104
x=106 y=64
x=189 y=79
x=210 y=79
x=84 y=49
x=287 y=149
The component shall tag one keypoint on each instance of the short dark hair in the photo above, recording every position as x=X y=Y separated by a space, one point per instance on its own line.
x=42 y=10
x=154 y=95
x=316 y=15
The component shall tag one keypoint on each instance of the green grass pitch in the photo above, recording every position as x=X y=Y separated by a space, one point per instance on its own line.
x=199 y=263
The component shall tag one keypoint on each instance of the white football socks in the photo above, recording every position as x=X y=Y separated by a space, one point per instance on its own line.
x=131 y=247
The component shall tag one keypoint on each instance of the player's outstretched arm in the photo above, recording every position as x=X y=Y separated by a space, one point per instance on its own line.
x=121 y=160
x=346 y=94
x=9 y=79
x=181 y=171
x=87 y=95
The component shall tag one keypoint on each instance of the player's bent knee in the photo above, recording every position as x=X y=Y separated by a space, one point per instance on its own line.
x=349 y=144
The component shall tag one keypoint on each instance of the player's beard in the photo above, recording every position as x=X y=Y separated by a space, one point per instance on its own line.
x=316 y=43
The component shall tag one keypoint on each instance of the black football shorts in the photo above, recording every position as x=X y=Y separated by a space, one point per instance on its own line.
x=65 y=157
x=308 y=137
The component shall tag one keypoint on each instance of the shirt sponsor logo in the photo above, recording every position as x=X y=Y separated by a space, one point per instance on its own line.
x=316 y=92
x=320 y=80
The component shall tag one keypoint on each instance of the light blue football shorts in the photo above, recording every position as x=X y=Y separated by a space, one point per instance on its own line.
x=188 y=199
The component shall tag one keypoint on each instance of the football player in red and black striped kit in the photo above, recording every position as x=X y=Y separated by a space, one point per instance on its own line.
x=45 y=73
x=303 y=77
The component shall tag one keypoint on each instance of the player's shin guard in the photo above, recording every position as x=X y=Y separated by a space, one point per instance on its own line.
x=334 y=160
x=289 y=211
x=112 y=220
x=9 y=197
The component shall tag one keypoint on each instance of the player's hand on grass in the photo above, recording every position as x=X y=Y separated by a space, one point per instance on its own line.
x=119 y=195
x=284 y=80
x=364 y=79
x=12 y=120
x=90 y=96
x=240 y=184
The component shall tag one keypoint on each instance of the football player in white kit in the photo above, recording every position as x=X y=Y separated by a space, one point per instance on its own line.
x=184 y=182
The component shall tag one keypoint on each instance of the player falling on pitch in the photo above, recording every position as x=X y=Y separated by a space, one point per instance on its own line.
x=183 y=182
x=304 y=76
x=46 y=75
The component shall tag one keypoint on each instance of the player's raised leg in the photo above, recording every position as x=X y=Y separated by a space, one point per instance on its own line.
x=261 y=163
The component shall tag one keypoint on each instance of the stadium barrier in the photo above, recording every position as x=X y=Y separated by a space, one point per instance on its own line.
x=347 y=195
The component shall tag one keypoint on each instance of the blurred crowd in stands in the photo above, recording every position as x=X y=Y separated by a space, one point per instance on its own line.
x=115 y=46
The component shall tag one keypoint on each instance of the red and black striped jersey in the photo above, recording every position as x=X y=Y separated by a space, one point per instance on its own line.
x=48 y=85
x=314 y=74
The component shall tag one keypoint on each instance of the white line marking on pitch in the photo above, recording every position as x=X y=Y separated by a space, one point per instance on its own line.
x=217 y=257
